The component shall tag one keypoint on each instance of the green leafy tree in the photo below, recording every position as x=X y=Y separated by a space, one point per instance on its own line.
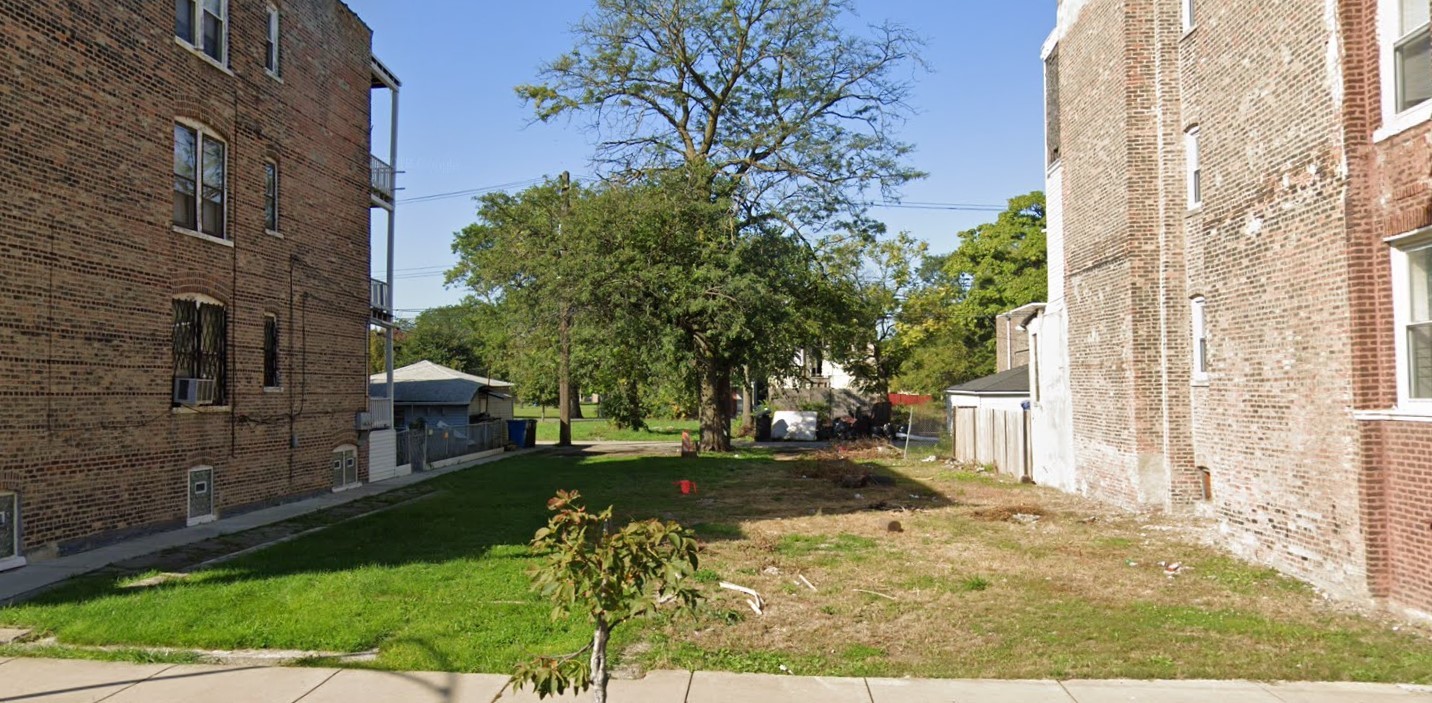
x=948 y=324
x=770 y=109
x=876 y=276
x=451 y=336
x=608 y=575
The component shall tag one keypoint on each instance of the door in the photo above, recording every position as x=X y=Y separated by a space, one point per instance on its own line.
x=201 y=495
x=345 y=468
x=9 y=527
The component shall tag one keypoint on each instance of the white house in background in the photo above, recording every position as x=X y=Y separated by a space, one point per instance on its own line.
x=818 y=372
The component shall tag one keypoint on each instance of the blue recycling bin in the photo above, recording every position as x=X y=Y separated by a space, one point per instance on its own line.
x=517 y=432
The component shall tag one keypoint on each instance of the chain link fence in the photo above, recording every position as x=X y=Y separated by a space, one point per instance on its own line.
x=421 y=448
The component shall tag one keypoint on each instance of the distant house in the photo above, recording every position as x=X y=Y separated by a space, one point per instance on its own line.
x=437 y=394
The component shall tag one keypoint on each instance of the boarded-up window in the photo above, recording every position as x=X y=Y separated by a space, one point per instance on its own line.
x=1051 y=105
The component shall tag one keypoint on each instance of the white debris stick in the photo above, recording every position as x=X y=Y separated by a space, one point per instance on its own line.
x=806 y=581
x=755 y=600
x=876 y=593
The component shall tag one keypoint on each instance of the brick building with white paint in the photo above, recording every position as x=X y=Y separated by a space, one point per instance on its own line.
x=1241 y=277
x=185 y=191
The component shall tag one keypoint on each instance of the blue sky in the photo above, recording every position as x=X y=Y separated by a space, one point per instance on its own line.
x=977 y=131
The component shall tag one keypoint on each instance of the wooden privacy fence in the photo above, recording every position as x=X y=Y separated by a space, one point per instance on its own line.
x=996 y=437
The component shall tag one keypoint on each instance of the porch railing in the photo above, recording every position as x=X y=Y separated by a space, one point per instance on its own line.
x=382 y=179
x=381 y=295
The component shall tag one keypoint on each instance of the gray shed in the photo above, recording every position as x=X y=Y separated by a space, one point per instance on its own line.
x=435 y=393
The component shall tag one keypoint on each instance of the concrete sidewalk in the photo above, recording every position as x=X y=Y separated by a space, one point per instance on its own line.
x=28 y=580
x=60 y=681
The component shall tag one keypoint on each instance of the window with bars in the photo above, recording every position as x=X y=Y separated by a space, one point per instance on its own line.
x=203 y=24
x=201 y=345
x=271 y=374
x=271 y=52
x=270 y=196
x=200 y=176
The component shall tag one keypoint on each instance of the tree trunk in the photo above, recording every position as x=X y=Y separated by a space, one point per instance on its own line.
x=715 y=397
x=574 y=396
x=564 y=374
x=599 y=661
x=748 y=398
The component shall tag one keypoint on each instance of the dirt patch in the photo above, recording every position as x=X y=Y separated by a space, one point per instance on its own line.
x=1008 y=513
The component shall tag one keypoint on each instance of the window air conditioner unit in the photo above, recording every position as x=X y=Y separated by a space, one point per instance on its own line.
x=194 y=391
x=363 y=421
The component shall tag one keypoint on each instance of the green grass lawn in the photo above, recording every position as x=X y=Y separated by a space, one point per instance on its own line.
x=441 y=584
x=603 y=431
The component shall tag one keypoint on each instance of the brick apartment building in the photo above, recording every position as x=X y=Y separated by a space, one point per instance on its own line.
x=1241 y=277
x=185 y=193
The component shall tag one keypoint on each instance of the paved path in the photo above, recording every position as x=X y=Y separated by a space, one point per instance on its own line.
x=57 y=681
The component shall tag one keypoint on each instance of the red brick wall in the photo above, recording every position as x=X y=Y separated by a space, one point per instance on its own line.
x=1391 y=196
x=1094 y=138
x=90 y=260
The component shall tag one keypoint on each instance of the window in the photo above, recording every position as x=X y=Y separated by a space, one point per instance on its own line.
x=271 y=44
x=1412 y=54
x=1412 y=311
x=1051 y=106
x=271 y=196
x=1188 y=21
x=1200 y=341
x=1405 y=35
x=1195 y=169
x=203 y=24
x=199 y=181
x=271 y=376
x=201 y=345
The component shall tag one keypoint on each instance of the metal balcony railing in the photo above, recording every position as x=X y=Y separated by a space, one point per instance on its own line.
x=381 y=296
x=381 y=410
x=382 y=179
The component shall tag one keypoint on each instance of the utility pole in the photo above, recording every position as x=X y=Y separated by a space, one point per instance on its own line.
x=564 y=333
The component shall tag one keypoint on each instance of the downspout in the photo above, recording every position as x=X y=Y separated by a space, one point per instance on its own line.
x=392 y=230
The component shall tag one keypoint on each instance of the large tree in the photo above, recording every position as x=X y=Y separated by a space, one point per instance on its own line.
x=877 y=276
x=948 y=325
x=770 y=107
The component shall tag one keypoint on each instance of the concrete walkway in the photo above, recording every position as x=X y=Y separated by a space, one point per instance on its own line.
x=28 y=580
x=57 y=681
